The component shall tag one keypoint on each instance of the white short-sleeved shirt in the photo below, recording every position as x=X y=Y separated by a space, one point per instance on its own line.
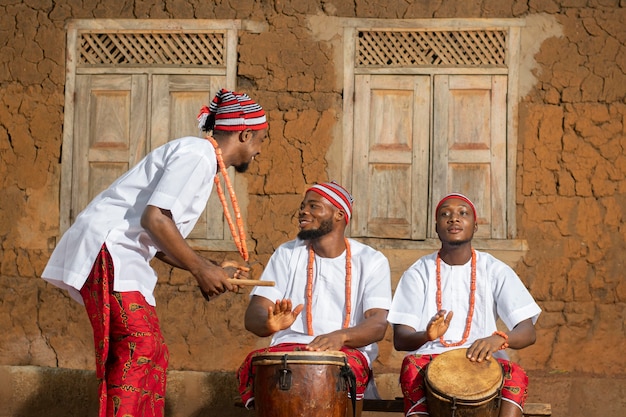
x=177 y=176
x=370 y=288
x=499 y=294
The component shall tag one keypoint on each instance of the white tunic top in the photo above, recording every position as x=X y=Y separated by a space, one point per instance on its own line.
x=177 y=176
x=499 y=294
x=371 y=288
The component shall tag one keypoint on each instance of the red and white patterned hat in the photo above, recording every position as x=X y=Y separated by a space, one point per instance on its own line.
x=232 y=111
x=337 y=195
x=460 y=197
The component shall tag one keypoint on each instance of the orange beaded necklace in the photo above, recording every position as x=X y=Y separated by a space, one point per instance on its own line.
x=470 y=313
x=309 y=288
x=239 y=234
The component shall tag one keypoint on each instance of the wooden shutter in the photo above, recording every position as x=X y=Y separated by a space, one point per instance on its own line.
x=131 y=86
x=391 y=143
x=470 y=146
x=176 y=101
x=109 y=132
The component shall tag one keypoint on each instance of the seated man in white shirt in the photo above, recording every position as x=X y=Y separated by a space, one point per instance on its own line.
x=476 y=289
x=103 y=260
x=341 y=290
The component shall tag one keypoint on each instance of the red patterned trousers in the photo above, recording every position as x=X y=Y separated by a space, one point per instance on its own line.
x=131 y=355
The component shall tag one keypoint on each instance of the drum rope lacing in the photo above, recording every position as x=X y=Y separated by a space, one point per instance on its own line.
x=472 y=299
x=239 y=235
x=348 y=374
x=309 y=288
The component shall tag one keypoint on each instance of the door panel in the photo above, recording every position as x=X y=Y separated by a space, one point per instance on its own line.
x=391 y=131
x=176 y=101
x=110 y=132
x=470 y=146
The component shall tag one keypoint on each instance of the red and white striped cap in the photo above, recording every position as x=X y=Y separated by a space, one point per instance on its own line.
x=337 y=195
x=460 y=197
x=231 y=111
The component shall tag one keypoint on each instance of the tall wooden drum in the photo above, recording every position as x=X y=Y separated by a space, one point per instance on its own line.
x=457 y=387
x=300 y=384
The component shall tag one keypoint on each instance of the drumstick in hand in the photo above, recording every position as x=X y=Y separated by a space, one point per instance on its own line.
x=245 y=282
x=251 y=282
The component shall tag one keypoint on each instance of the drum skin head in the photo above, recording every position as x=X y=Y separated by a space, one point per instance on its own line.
x=300 y=357
x=453 y=375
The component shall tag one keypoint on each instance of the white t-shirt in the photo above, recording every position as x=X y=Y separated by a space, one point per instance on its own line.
x=177 y=176
x=370 y=288
x=499 y=294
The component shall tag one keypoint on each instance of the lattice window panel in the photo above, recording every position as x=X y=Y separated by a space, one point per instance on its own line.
x=151 y=49
x=484 y=48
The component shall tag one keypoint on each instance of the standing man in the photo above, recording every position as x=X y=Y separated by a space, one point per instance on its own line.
x=478 y=289
x=103 y=259
x=341 y=290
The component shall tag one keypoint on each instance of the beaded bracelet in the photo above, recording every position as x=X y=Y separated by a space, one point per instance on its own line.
x=504 y=336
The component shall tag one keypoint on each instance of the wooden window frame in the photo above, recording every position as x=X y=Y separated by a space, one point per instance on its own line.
x=101 y=46
x=510 y=68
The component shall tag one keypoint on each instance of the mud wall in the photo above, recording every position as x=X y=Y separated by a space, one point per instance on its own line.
x=571 y=184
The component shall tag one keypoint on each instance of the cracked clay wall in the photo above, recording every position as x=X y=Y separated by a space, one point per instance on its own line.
x=571 y=173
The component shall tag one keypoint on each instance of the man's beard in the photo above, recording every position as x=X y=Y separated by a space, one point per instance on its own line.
x=242 y=167
x=325 y=227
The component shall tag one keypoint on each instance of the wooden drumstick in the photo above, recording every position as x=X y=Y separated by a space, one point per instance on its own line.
x=251 y=282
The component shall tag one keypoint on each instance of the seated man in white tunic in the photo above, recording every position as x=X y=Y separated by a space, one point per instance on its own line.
x=340 y=288
x=476 y=289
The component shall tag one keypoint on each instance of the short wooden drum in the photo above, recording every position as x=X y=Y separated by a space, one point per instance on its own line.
x=457 y=387
x=300 y=384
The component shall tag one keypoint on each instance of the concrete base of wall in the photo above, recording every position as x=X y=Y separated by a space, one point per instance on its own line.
x=29 y=391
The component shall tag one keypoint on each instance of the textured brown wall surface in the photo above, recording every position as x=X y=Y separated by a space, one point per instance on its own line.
x=571 y=174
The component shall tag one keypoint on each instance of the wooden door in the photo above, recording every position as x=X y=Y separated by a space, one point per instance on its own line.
x=176 y=101
x=110 y=133
x=390 y=156
x=469 y=146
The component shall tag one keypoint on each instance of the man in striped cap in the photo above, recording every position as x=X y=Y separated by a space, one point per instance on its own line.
x=340 y=288
x=452 y=299
x=236 y=116
x=103 y=260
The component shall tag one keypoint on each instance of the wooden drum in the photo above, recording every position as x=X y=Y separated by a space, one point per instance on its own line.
x=305 y=384
x=457 y=387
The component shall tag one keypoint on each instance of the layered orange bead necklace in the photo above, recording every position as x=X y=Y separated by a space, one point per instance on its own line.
x=472 y=299
x=309 y=288
x=239 y=234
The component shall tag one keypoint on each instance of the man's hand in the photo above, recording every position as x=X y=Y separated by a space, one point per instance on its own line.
x=483 y=349
x=438 y=325
x=280 y=316
x=522 y=335
x=329 y=341
x=234 y=270
x=213 y=280
x=370 y=330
